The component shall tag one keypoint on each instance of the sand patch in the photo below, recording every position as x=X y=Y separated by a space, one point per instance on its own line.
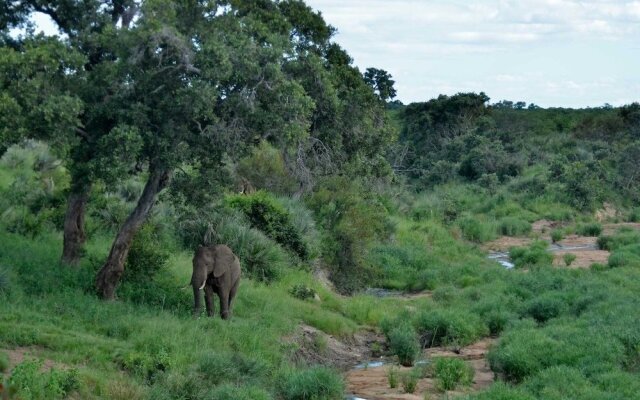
x=372 y=383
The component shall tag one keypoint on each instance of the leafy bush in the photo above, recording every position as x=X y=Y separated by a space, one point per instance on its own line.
x=476 y=230
x=451 y=372
x=4 y=362
x=268 y=215
x=302 y=292
x=5 y=282
x=534 y=255
x=557 y=235
x=625 y=256
x=592 y=229
x=409 y=380
x=569 y=258
x=216 y=368
x=147 y=256
x=449 y=326
x=317 y=383
x=392 y=377
x=511 y=226
x=353 y=218
x=501 y=391
x=623 y=237
x=404 y=344
x=546 y=306
x=145 y=365
x=32 y=384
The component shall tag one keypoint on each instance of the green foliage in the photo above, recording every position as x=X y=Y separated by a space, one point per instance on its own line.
x=511 y=226
x=451 y=372
x=501 y=391
x=4 y=362
x=546 y=306
x=218 y=368
x=449 y=326
x=623 y=237
x=317 y=383
x=147 y=256
x=592 y=229
x=392 y=377
x=303 y=292
x=265 y=169
x=557 y=235
x=31 y=384
x=477 y=230
x=409 y=380
x=534 y=255
x=403 y=342
x=569 y=258
x=266 y=214
x=146 y=365
x=353 y=219
x=625 y=256
x=5 y=281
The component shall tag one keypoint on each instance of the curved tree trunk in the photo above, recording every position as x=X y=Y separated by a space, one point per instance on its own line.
x=74 y=235
x=109 y=276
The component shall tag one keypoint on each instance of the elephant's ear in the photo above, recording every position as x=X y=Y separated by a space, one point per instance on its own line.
x=223 y=260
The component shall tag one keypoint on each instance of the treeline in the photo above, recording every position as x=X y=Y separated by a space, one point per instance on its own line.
x=463 y=138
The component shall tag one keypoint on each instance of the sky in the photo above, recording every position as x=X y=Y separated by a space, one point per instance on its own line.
x=554 y=53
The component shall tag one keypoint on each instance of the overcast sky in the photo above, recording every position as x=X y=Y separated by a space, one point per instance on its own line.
x=549 y=52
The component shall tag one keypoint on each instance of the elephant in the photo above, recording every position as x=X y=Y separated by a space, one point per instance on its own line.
x=217 y=270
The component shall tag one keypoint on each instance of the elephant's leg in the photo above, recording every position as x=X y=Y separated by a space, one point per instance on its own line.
x=224 y=303
x=208 y=300
x=232 y=295
x=196 y=301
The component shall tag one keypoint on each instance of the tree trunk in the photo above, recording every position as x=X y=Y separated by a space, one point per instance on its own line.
x=109 y=276
x=74 y=235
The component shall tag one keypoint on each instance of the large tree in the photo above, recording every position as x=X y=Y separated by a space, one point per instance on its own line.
x=90 y=29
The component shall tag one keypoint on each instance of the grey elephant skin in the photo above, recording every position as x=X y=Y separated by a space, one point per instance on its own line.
x=216 y=270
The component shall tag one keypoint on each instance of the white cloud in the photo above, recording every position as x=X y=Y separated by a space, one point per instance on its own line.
x=551 y=52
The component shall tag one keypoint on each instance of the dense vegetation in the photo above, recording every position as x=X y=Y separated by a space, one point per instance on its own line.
x=123 y=146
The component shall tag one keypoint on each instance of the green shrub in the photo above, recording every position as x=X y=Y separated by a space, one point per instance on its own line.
x=449 y=326
x=557 y=235
x=545 y=306
x=563 y=382
x=32 y=384
x=501 y=391
x=302 y=292
x=510 y=226
x=147 y=256
x=217 y=368
x=634 y=215
x=534 y=255
x=317 y=383
x=622 y=238
x=231 y=392
x=626 y=256
x=409 y=380
x=265 y=213
x=4 y=362
x=592 y=229
x=569 y=258
x=404 y=344
x=145 y=365
x=475 y=230
x=392 y=377
x=451 y=372
x=5 y=281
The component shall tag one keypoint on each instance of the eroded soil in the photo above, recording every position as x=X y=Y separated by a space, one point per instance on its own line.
x=372 y=383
